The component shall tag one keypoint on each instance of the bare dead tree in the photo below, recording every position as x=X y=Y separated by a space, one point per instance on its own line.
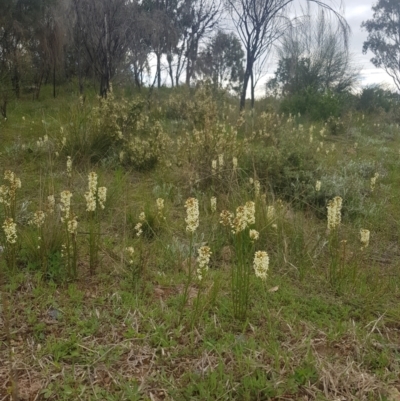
x=314 y=54
x=104 y=34
x=48 y=42
x=259 y=24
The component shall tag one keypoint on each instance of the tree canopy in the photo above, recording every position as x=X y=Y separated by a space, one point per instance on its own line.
x=222 y=61
x=384 y=38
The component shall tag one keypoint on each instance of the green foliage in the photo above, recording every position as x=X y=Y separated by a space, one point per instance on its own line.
x=383 y=33
x=306 y=373
x=314 y=104
x=313 y=56
x=222 y=61
x=320 y=311
x=118 y=130
x=372 y=99
x=289 y=173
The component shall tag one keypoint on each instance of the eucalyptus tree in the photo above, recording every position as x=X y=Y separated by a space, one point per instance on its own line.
x=222 y=61
x=384 y=38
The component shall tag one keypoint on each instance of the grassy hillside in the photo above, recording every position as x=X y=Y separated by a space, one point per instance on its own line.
x=150 y=289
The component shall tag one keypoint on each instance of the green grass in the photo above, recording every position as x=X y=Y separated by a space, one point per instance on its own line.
x=120 y=335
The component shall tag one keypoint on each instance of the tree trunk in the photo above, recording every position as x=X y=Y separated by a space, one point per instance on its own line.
x=247 y=74
x=244 y=89
x=252 y=89
x=104 y=85
x=171 y=75
x=3 y=107
x=16 y=81
x=80 y=79
x=107 y=62
x=188 y=68
x=158 y=55
x=54 y=80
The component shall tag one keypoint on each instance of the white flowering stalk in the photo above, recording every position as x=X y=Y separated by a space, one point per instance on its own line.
x=90 y=202
x=234 y=163
x=257 y=187
x=15 y=182
x=4 y=194
x=239 y=223
x=93 y=196
x=337 y=248
x=192 y=213
x=37 y=219
x=373 y=181
x=364 y=238
x=214 y=167
x=221 y=160
x=254 y=235
x=102 y=196
x=160 y=207
x=318 y=186
x=250 y=210
x=10 y=252
x=213 y=204
x=90 y=196
x=69 y=167
x=10 y=230
x=203 y=259
x=72 y=225
x=8 y=193
x=226 y=218
x=271 y=213
x=192 y=222
x=65 y=205
x=245 y=216
x=334 y=208
x=264 y=199
x=142 y=217
x=244 y=245
x=92 y=182
x=130 y=252
x=261 y=264
x=138 y=229
x=50 y=204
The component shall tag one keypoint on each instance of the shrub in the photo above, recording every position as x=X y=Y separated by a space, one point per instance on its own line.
x=317 y=105
x=118 y=129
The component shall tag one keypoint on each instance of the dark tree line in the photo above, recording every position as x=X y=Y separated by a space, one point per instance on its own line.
x=41 y=40
x=141 y=40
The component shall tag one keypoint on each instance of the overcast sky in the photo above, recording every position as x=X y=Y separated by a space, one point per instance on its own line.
x=357 y=11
